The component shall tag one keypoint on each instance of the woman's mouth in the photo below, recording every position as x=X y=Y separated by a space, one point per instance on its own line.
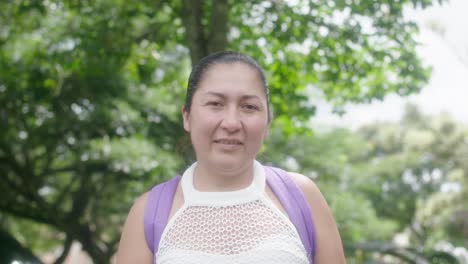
x=228 y=141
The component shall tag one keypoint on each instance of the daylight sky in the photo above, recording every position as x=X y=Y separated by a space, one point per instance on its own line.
x=447 y=53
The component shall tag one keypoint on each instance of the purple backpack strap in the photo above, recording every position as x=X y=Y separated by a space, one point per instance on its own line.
x=157 y=210
x=295 y=204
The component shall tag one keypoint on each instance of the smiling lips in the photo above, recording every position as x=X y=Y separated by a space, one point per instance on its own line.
x=226 y=141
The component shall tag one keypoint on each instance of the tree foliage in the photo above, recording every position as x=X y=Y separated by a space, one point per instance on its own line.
x=387 y=178
x=90 y=92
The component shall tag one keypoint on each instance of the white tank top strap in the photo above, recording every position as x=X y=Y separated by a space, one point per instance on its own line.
x=251 y=193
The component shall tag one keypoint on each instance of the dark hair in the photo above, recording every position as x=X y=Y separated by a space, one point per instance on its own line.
x=222 y=57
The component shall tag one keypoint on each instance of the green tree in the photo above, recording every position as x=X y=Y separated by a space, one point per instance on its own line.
x=329 y=157
x=407 y=177
x=415 y=175
x=88 y=91
x=12 y=250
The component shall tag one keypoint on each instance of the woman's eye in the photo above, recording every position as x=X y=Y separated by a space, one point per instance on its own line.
x=250 y=107
x=214 y=103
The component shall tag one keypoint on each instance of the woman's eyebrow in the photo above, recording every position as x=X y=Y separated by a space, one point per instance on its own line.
x=216 y=94
x=247 y=97
x=244 y=97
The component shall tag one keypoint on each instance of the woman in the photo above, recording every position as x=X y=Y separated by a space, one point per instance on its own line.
x=222 y=210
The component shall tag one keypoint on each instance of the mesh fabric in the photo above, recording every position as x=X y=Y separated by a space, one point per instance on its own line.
x=254 y=231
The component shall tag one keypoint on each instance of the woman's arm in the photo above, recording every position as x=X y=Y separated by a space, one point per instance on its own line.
x=329 y=248
x=132 y=246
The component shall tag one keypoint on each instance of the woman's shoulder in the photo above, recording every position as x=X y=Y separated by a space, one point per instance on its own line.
x=304 y=183
x=137 y=209
x=139 y=203
x=311 y=191
x=329 y=245
x=132 y=246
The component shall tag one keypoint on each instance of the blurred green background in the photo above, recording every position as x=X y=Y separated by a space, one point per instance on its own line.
x=90 y=99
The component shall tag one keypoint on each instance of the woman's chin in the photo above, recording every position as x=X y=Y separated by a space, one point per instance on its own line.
x=229 y=164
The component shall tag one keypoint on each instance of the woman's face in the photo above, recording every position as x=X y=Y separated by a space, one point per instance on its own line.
x=228 y=119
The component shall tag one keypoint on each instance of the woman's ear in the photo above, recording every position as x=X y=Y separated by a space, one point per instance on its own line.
x=185 y=118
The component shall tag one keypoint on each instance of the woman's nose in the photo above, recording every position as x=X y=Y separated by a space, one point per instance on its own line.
x=231 y=120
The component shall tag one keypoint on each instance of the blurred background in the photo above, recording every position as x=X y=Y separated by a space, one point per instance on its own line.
x=369 y=100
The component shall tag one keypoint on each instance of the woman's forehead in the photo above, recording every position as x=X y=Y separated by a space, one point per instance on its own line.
x=236 y=70
x=231 y=78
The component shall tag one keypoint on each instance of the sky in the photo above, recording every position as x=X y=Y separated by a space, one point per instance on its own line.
x=447 y=90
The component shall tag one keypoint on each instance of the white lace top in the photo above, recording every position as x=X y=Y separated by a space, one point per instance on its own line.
x=241 y=226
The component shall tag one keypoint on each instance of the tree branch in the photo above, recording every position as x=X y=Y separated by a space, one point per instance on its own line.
x=11 y=249
x=14 y=186
x=58 y=170
x=48 y=159
x=29 y=213
x=219 y=19
x=66 y=248
x=85 y=236
x=20 y=170
x=409 y=254
x=64 y=192
x=9 y=161
x=196 y=39
x=112 y=245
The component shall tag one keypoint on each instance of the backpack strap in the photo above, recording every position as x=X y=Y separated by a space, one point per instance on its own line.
x=296 y=206
x=157 y=210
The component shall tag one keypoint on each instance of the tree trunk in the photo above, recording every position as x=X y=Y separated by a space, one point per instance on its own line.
x=202 y=41
x=219 y=26
x=85 y=237
x=192 y=14
x=66 y=249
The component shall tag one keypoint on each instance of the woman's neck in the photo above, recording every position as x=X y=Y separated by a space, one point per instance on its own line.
x=212 y=179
